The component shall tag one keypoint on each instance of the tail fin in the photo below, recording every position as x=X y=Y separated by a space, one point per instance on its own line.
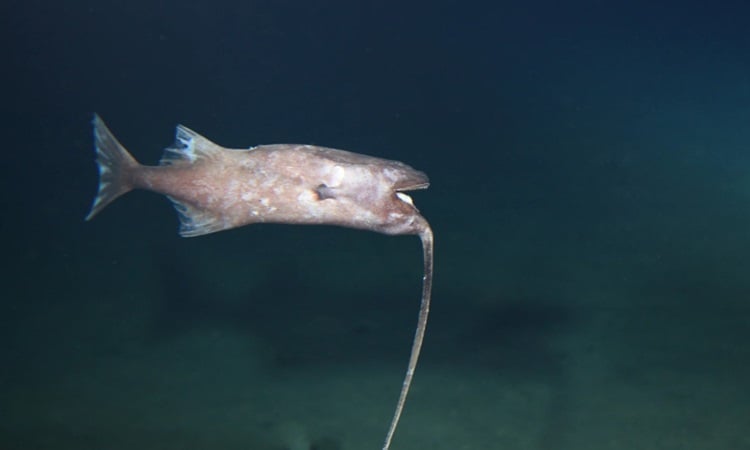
x=115 y=167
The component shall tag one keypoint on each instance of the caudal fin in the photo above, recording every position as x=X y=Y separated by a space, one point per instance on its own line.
x=115 y=167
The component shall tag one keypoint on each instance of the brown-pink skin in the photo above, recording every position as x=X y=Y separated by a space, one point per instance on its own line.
x=292 y=184
x=215 y=188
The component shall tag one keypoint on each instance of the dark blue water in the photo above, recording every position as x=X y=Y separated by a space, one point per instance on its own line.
x=590 y=199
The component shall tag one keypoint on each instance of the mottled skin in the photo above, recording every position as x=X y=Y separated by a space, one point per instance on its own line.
x=293 y=184
x=215 y=188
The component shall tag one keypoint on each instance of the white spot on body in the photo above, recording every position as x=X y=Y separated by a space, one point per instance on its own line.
x=306 y=197
x=337 y=176
x=233 y=187
x=390 y=174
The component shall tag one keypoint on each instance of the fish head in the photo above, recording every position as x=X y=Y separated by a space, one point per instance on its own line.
x=401 y=216
x=378 y=189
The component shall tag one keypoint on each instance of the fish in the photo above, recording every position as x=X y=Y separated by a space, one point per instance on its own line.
x=214 y=188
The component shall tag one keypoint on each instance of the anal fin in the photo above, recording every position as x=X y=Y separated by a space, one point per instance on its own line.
x=196 y=221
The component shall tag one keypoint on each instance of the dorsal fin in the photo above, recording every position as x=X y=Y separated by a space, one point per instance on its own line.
x=189 y=147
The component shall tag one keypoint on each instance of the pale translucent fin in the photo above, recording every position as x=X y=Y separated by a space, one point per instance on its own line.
x=115 y=167
x=195 y=221
x=189 y=147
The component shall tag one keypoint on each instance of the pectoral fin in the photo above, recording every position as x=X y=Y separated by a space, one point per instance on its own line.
x=325 y=192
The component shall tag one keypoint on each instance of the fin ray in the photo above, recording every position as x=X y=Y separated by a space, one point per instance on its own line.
x=196 y=221
x=188 y=148
x=115 y=164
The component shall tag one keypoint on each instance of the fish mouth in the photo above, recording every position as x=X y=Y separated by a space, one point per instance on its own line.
x=399 y=192
x=413 y=186
x=412 y=180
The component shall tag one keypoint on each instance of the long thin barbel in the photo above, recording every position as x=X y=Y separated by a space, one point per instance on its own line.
x=424 y=309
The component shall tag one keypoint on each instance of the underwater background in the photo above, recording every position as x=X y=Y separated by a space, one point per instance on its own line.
x=590 y=199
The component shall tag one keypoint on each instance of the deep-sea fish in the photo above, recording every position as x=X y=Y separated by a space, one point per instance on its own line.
x=215 y=188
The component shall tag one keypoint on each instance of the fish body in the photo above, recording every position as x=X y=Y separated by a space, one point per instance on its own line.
x=216 y=188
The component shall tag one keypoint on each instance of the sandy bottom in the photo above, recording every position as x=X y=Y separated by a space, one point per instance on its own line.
x=613 y=379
